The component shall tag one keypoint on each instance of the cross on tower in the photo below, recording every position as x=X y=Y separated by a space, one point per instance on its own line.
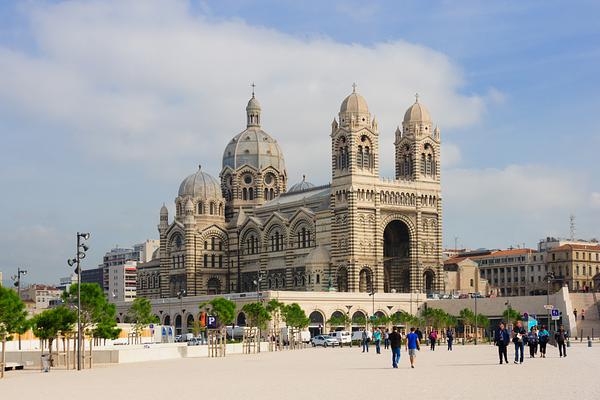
x=354 y=87
x=253 y=86
x=416 y=97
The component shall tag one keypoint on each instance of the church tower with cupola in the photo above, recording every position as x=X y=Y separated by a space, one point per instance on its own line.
x=417 y=146
x=355 y=169
x=253 y=169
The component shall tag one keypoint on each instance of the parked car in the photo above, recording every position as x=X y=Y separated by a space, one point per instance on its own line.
x=463 y=296
x=178 y=338
x=194 y=342
x=325 y=341
x=344 y=337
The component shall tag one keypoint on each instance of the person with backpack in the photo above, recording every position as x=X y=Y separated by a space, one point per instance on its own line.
x=395 y=341
x=449 y=338
x=519 y=337
x=543 y=338
x=561 y=337
x=432 y=339
x=501 y=339
x=532 y=341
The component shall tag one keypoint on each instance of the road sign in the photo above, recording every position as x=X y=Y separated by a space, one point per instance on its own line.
x=211 y=322
x=555 y=314
x=548 y=307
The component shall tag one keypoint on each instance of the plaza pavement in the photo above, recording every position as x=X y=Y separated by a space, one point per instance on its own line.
x=469 y=372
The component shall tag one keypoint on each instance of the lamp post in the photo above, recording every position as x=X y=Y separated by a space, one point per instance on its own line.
x=476 y=330
x=17 y=279
x=549 y=279
x=372 y=294
x=80 y=255
x=180 y=295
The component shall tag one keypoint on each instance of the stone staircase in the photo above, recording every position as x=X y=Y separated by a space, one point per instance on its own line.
x=589 y=303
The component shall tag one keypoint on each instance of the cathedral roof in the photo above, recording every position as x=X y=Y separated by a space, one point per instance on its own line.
x=417 y=113
x=318 y=256
x=200 y=184
x=354 y=103
x=301 y=186
x=256 y=148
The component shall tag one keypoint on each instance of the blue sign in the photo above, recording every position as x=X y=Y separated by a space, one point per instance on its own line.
x=555 y=313
x=211 y=322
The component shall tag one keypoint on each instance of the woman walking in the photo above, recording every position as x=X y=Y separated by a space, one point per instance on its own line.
x=433 y=339
x=532 y=341
x=543 y=337
x=449 y=338
x=501 y=339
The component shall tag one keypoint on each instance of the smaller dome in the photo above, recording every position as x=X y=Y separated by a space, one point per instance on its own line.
x=301 y=186
x=318 y=256
x=200 y=184
x=354 y=103
x=253 y=104
x=417 y=113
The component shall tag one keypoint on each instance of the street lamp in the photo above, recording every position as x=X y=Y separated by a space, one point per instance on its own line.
x=180 y=294
x=257 y=281
x=80 y=255
x=17 y=279
x=476 y=330
x=372 y=294
x=549 y=279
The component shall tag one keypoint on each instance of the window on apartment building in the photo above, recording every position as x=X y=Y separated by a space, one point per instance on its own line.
x=471 y=282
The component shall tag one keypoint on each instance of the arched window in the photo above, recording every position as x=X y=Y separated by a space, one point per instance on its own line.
x=251 y=194
x=244 y=194
x=367 y=158
x=212 y=208
x=359 y=156
x=200 y=207
x=206 y=260
x=423 y=166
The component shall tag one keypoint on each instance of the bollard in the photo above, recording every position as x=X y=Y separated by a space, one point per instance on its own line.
x=568 y=343
x=589 y=342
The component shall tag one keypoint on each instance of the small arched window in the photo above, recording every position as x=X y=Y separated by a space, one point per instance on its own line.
x=200 y=208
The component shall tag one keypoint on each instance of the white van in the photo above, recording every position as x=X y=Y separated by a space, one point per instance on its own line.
x=304 y=335
x=357 y=335
x=344 y=337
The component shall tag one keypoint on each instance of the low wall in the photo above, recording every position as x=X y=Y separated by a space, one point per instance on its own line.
x=132 y=353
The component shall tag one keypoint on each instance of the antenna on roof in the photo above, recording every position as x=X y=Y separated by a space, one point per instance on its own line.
x=572 y=226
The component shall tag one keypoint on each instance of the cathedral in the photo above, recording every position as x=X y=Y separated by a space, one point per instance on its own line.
x=246 y=231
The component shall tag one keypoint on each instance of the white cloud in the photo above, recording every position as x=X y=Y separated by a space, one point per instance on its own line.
x=595 y=199
x=150 y=82
x=451 y=155
x=515 y=203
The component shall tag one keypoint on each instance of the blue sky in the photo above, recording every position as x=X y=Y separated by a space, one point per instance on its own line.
x=106 y=106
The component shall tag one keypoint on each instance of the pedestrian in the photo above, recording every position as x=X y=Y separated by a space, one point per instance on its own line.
x=365 y=341
x=561 y=337
x=519 y=334
x=501 y=339
x=575 y=314
x=377 y=340
x=412 y=345
x=419 y=334
x=386 y=339
x=582 y=314
x=395 y=341
x=432 y=339
x=543 y=337
x=532 y=341
x=449 y=338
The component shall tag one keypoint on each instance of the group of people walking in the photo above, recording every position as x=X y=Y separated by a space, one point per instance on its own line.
x=536 y=339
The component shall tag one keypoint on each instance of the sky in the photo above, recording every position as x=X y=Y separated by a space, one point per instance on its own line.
x=106 y=106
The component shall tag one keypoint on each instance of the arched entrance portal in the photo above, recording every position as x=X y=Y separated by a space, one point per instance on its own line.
x=396 y=257
x=316 y=323
x=428 y=277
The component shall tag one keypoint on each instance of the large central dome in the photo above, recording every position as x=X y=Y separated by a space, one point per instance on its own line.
x=253 y=147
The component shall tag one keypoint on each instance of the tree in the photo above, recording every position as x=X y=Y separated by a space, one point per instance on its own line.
x=221 y=308
x=511 y=315
x=105 y=324
x=294 y=316
x=13 y=318
x=93 y=304
x=339 y=320
x=140 y=314
x=49 y=323
x=256 y=315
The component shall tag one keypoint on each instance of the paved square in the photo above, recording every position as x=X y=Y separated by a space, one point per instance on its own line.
x=467 y=373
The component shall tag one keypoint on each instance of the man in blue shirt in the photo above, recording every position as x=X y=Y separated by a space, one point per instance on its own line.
x=412 y=345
